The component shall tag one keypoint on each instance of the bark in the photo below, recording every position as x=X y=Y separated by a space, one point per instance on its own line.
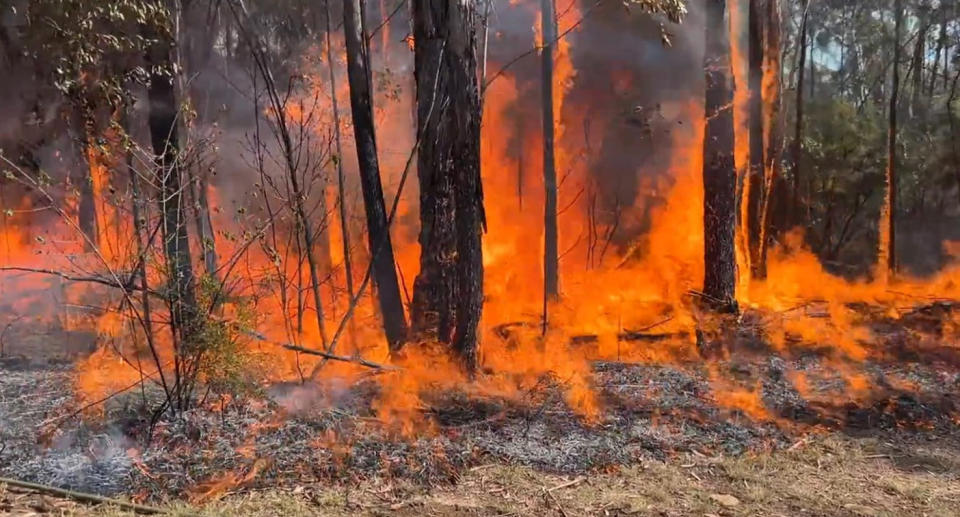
x=772 y=127
x=164 y=138
x=755 y=60
x=448 y=292
x=797 y=205
x=887 y=252
x=341 y=179
x=719 y=172
x=86 y=204
x=550 y=253
x=378 y=232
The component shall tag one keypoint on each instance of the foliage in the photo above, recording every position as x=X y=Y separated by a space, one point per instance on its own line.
x=93 y=47
x=226 y=364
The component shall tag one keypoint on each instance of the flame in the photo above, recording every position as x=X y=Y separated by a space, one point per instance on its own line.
x=638 y=286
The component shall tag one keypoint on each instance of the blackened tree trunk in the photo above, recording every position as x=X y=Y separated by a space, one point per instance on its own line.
x=381 y=249
x=550 y=253
x=797 y=205
x=888 y=241
x=341 y=179
x=164 y=138
x=755 y=56
x=772 y=127
x=719 y=171
x=82 y=115
x=448 y=292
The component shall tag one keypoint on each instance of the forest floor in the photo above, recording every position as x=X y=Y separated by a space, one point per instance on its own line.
x=828 y=475
x=751 y=431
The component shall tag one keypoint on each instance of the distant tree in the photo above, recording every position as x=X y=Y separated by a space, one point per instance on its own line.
x=888 y=242
x=772 y=127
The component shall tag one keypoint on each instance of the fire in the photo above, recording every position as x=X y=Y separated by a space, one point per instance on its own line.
x=610 y=290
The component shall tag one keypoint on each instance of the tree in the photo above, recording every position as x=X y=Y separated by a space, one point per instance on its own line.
x=164 y=137
x=797 y=208
x=772 y=127
x=550 y=252
x=378 y=232
x=448 y=292
x=755 y=57
x=719 y=171
x=888 y=251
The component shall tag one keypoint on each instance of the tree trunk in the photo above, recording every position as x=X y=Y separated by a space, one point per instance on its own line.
x=917 y=108
x=797 y=205
x=448 y=292
x=941 y=42
x=208 y=243
x=87 y=203
x=755 y=59
x=772 y=128
x=888 y=251
x=719 y=171
x=341 y=179
x=550 y=253
x=381 y=249
x=164 y=138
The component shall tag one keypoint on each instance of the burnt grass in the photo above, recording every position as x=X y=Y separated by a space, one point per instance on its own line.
x=293 y=434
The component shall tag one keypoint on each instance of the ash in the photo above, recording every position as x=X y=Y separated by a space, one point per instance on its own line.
x=303 y=433
x=76 y=457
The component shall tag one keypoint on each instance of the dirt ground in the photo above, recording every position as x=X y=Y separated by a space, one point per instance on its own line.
x=828 y=475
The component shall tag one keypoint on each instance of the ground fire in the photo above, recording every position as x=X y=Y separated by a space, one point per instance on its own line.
x=293 y=251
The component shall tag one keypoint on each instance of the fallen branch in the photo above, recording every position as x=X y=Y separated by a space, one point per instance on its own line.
x=326 y=355
x=568 y=484
x=82 y=496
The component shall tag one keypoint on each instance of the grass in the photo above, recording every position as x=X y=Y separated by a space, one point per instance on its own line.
x=830 y=475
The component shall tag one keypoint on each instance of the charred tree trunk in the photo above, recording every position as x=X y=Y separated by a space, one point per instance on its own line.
x=378 y=232
x=550 y=253
x=797 y=154
x=772 y=127
x=888 y=242
x=755 y=57
x=164 y=138
x=341 y=179
x=719 y=171
x=86 y=203
x=448 y=292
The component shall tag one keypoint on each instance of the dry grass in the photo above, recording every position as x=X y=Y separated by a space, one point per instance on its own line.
x=831 y=475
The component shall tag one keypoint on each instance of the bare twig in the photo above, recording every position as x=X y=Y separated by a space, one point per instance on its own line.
x=83 y=497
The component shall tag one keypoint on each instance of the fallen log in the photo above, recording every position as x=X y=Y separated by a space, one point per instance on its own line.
x=82 y=497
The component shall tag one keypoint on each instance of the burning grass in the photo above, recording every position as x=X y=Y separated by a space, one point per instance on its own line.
x=751 y=400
